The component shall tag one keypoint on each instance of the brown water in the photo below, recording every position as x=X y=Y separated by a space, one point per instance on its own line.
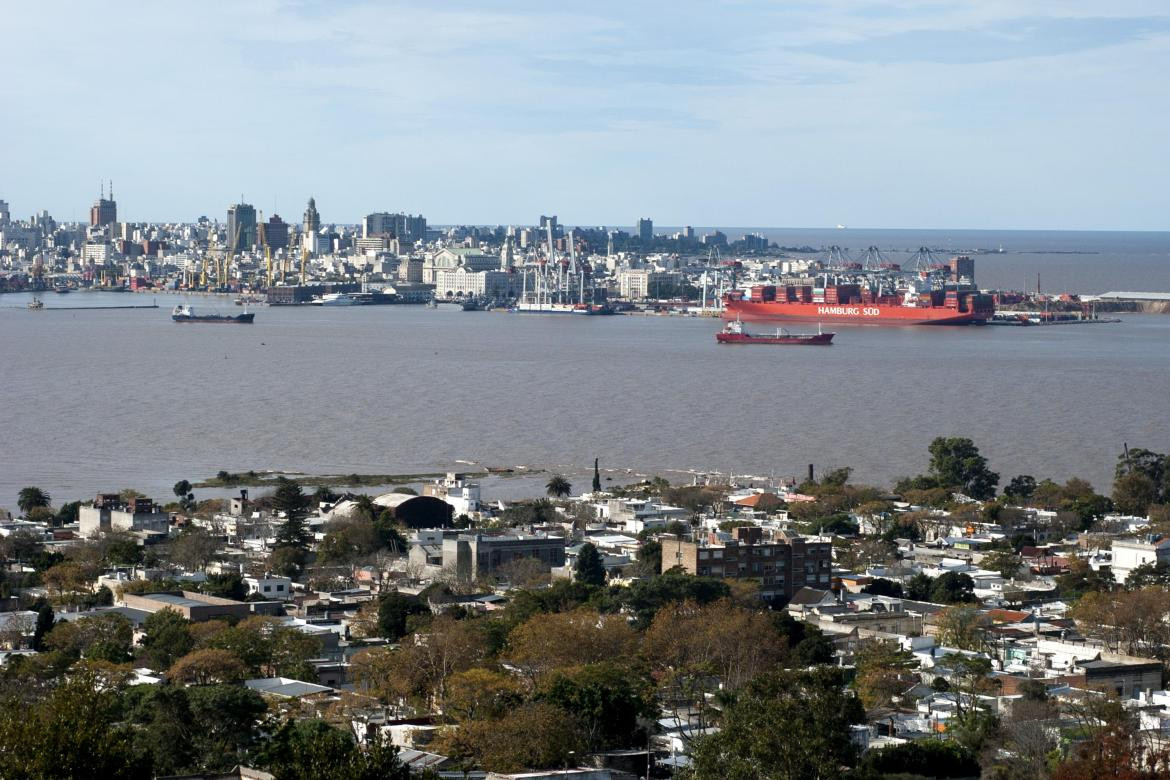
x=96 y=400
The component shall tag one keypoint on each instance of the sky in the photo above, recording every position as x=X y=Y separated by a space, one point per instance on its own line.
x=997 y=114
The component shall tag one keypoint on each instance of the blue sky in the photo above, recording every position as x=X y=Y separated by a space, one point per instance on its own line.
x=979 y=114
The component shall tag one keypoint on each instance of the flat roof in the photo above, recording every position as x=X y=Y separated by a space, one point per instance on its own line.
x=178 y=601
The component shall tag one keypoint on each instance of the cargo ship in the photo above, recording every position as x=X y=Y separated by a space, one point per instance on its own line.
x=184 y=313
x=733 y=333
x=940 y=296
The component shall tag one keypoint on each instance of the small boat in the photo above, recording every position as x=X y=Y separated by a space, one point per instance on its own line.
x=733 y=333
x=184 y=313
x=472 y=304
x=244 y=300
x=61 y=289
x=36 y=303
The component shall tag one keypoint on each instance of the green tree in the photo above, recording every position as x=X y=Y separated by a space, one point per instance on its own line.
x=783 y=726
x=182 y=488
x=394 y=611
x=589 y=567
x=67 y=513
x=167 y=638
x=883 y=672
x=921 y=758
x=596 y=477
x=952 y=588
x=226 y=721
x=1005 y=563
x=1153 y=465
x=1021 y=487
x=72 y=732
x=289 y=500
x=956 y=462
x=606 y=698
x=44 y=625
x=1134 y=492
x=165 y=727
x=30 y=498
x=558 y=486
x=314 y=750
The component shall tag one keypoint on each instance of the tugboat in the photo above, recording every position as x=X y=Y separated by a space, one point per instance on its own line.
x=733 y=333
x=36 y=303
x=184 y=313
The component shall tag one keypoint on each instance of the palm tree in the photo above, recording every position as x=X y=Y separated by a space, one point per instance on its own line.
x=558 y=486
x=32 y=497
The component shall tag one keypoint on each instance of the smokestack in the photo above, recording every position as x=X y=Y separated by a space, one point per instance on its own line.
x=810 y=473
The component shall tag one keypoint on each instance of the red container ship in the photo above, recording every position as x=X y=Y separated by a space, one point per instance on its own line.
x=733 y=333
x=887 y=298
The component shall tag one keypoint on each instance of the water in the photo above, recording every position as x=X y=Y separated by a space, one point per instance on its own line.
x=97 y=401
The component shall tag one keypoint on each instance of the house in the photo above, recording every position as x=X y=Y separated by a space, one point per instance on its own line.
x=196 y=607
x=269 y=587
x=1129 y=554
x=110 y=512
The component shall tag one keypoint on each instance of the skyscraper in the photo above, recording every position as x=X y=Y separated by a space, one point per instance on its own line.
x=4 y=216
x=241 y=226
x=312 y=218
x=407 y=228
x=104 y=212
x=274 y=232
x=646 y=229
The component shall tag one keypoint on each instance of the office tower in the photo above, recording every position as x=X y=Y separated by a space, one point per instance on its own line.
x=646 y=229
x=241 y=227
x=104 y=211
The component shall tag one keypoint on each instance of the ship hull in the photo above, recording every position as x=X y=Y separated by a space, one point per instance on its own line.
x=222 y=319
x=811 y=339
x=861 y=314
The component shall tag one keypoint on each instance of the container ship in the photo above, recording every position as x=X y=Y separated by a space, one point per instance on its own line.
x=184 y=313
x=944 y=295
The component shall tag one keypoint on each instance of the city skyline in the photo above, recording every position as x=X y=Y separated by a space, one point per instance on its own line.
x=869 y=115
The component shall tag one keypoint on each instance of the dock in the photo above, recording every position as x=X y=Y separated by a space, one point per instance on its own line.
x=88 y=308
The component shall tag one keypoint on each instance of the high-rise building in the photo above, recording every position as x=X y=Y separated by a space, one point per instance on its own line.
x=688 y=232
x=5 y=218
x=241 y=226
x=104 y=211
x=646 y=229
x=312 y=222
x=407 y=228
x=274 y=233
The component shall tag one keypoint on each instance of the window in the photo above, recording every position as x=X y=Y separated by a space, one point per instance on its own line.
x=267 y=588
x=704 y=555
x=280 y=588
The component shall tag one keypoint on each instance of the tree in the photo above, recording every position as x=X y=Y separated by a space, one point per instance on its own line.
x=952 y=587
x=71 y=732
x=106 y=636
x=956 y=462
x=165 y=728
x=477 y=694
x=596 y=477
x=589 y=568
x=1154 y=465
x=527 y=572
x=883 y=672
x=545 y=643
x=394 y=609
x=182 y=488
x=30 y=498
x=1021 y=487
x=287 y=561
x=227 y=724
x=205 y=667
x=192 y=549
x=167 y=639
x=718 y=640
x=43 y=626
x=645 y=597
x=783 y=726
x=963 y=627
x=558 y=486
x=1005 y=563
x=607 y=699
x=921 y=758
x=21 y=546
x=537 y=735
x=312 y=749
x=1134 y=492
x=883 y=587
x=289 y=500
